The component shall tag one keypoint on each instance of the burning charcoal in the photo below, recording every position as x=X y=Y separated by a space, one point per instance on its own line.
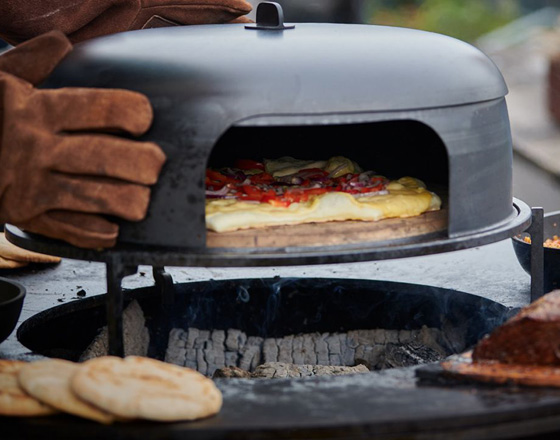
x=309 y=354
x=405 y=336
x=247 y=358
x=391 y=336
x=407 y=355
x=136 y=336
x=380 y=337
x=210 y=357
x=203 y=337
x=231 y=358
x=201 y=364
x=231 y=373
x=352 y=340
x=218 y=339
x=322 y=349
x=297 y=350
x=333 y=343
x=348 y=356
x=279 y=370
x=176 y=351
x=192 y=335
x=430 y=337
x=213 y=349
x=190 y=360
x=235 y=340
x=270 y=350
x=285 y=349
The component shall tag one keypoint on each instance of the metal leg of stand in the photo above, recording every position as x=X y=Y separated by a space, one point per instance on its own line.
x=116 y=271
x=164 y=285
x=536 y=230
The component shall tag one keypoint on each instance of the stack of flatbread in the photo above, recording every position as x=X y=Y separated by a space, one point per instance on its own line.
x=107 y=389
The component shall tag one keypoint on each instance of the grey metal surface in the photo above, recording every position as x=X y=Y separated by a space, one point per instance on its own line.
x=239 y=257
x=204 y=80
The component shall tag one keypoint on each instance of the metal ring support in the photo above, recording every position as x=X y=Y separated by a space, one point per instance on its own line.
x=536 y=230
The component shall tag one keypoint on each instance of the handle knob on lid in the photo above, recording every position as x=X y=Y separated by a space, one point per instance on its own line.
x=270 y=16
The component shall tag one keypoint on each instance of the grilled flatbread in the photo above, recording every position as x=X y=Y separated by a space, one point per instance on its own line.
x=137 y=387
x=49 y=382
x=14 y=401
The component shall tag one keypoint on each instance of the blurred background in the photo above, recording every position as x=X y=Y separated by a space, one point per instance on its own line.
x=521 y=36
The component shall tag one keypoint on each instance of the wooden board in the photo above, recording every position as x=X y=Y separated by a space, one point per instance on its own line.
x=331 y=233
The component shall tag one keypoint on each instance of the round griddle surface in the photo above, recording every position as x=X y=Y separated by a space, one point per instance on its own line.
x=387 y=405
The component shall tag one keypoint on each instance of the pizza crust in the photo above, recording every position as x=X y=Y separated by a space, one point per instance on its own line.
x=407 y=197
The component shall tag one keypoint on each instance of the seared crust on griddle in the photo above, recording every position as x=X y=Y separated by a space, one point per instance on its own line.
x=532 y=337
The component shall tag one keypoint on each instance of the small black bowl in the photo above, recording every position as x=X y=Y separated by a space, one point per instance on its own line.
x=11 y=302
x=551 y=255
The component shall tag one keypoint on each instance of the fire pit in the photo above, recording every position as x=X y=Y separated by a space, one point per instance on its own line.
x=280 y=307
x=388 y=404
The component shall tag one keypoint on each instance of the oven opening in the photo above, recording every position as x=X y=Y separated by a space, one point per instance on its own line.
x=393 y=149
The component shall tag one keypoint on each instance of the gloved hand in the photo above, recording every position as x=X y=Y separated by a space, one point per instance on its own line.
x=80 y=20
x=58 y=172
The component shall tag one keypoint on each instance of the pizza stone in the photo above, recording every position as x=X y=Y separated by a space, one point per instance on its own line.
x=49 y=382
x=138 y=387
x=14 y=401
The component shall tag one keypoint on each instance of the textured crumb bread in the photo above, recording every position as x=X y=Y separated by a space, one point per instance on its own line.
x=407 y=197
x=137 y=387
x=49 y=382
x=14 y=401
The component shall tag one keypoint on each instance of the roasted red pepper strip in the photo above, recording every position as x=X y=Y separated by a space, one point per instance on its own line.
x=217 y=177
x=261 y=178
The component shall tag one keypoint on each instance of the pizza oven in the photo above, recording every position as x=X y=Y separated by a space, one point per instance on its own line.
x=397 y=101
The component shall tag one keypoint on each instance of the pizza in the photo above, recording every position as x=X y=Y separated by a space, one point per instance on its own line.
x=289 y=191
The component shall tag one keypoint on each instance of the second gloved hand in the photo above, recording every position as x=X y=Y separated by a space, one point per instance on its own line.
x=60 y=169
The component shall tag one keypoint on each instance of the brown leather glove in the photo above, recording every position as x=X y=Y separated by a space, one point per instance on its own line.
x=80 y=20
x=58 y=172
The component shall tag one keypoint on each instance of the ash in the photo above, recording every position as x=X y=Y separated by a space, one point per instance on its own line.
x=296 y=355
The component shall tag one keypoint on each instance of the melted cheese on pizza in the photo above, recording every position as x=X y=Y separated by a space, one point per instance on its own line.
x=406 y=197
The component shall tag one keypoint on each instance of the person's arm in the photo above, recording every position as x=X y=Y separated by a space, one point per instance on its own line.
x=62 y=168
x=80 y=20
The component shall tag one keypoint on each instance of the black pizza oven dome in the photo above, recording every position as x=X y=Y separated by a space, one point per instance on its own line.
x=393 y=99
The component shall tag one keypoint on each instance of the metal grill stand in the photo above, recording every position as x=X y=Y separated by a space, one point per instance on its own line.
x=117 y=270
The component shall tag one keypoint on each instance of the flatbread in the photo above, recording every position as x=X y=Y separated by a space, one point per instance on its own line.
x=49 y=382
x=11 y=264
x=137 y=387
x=14 y=401
x=11 y=254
